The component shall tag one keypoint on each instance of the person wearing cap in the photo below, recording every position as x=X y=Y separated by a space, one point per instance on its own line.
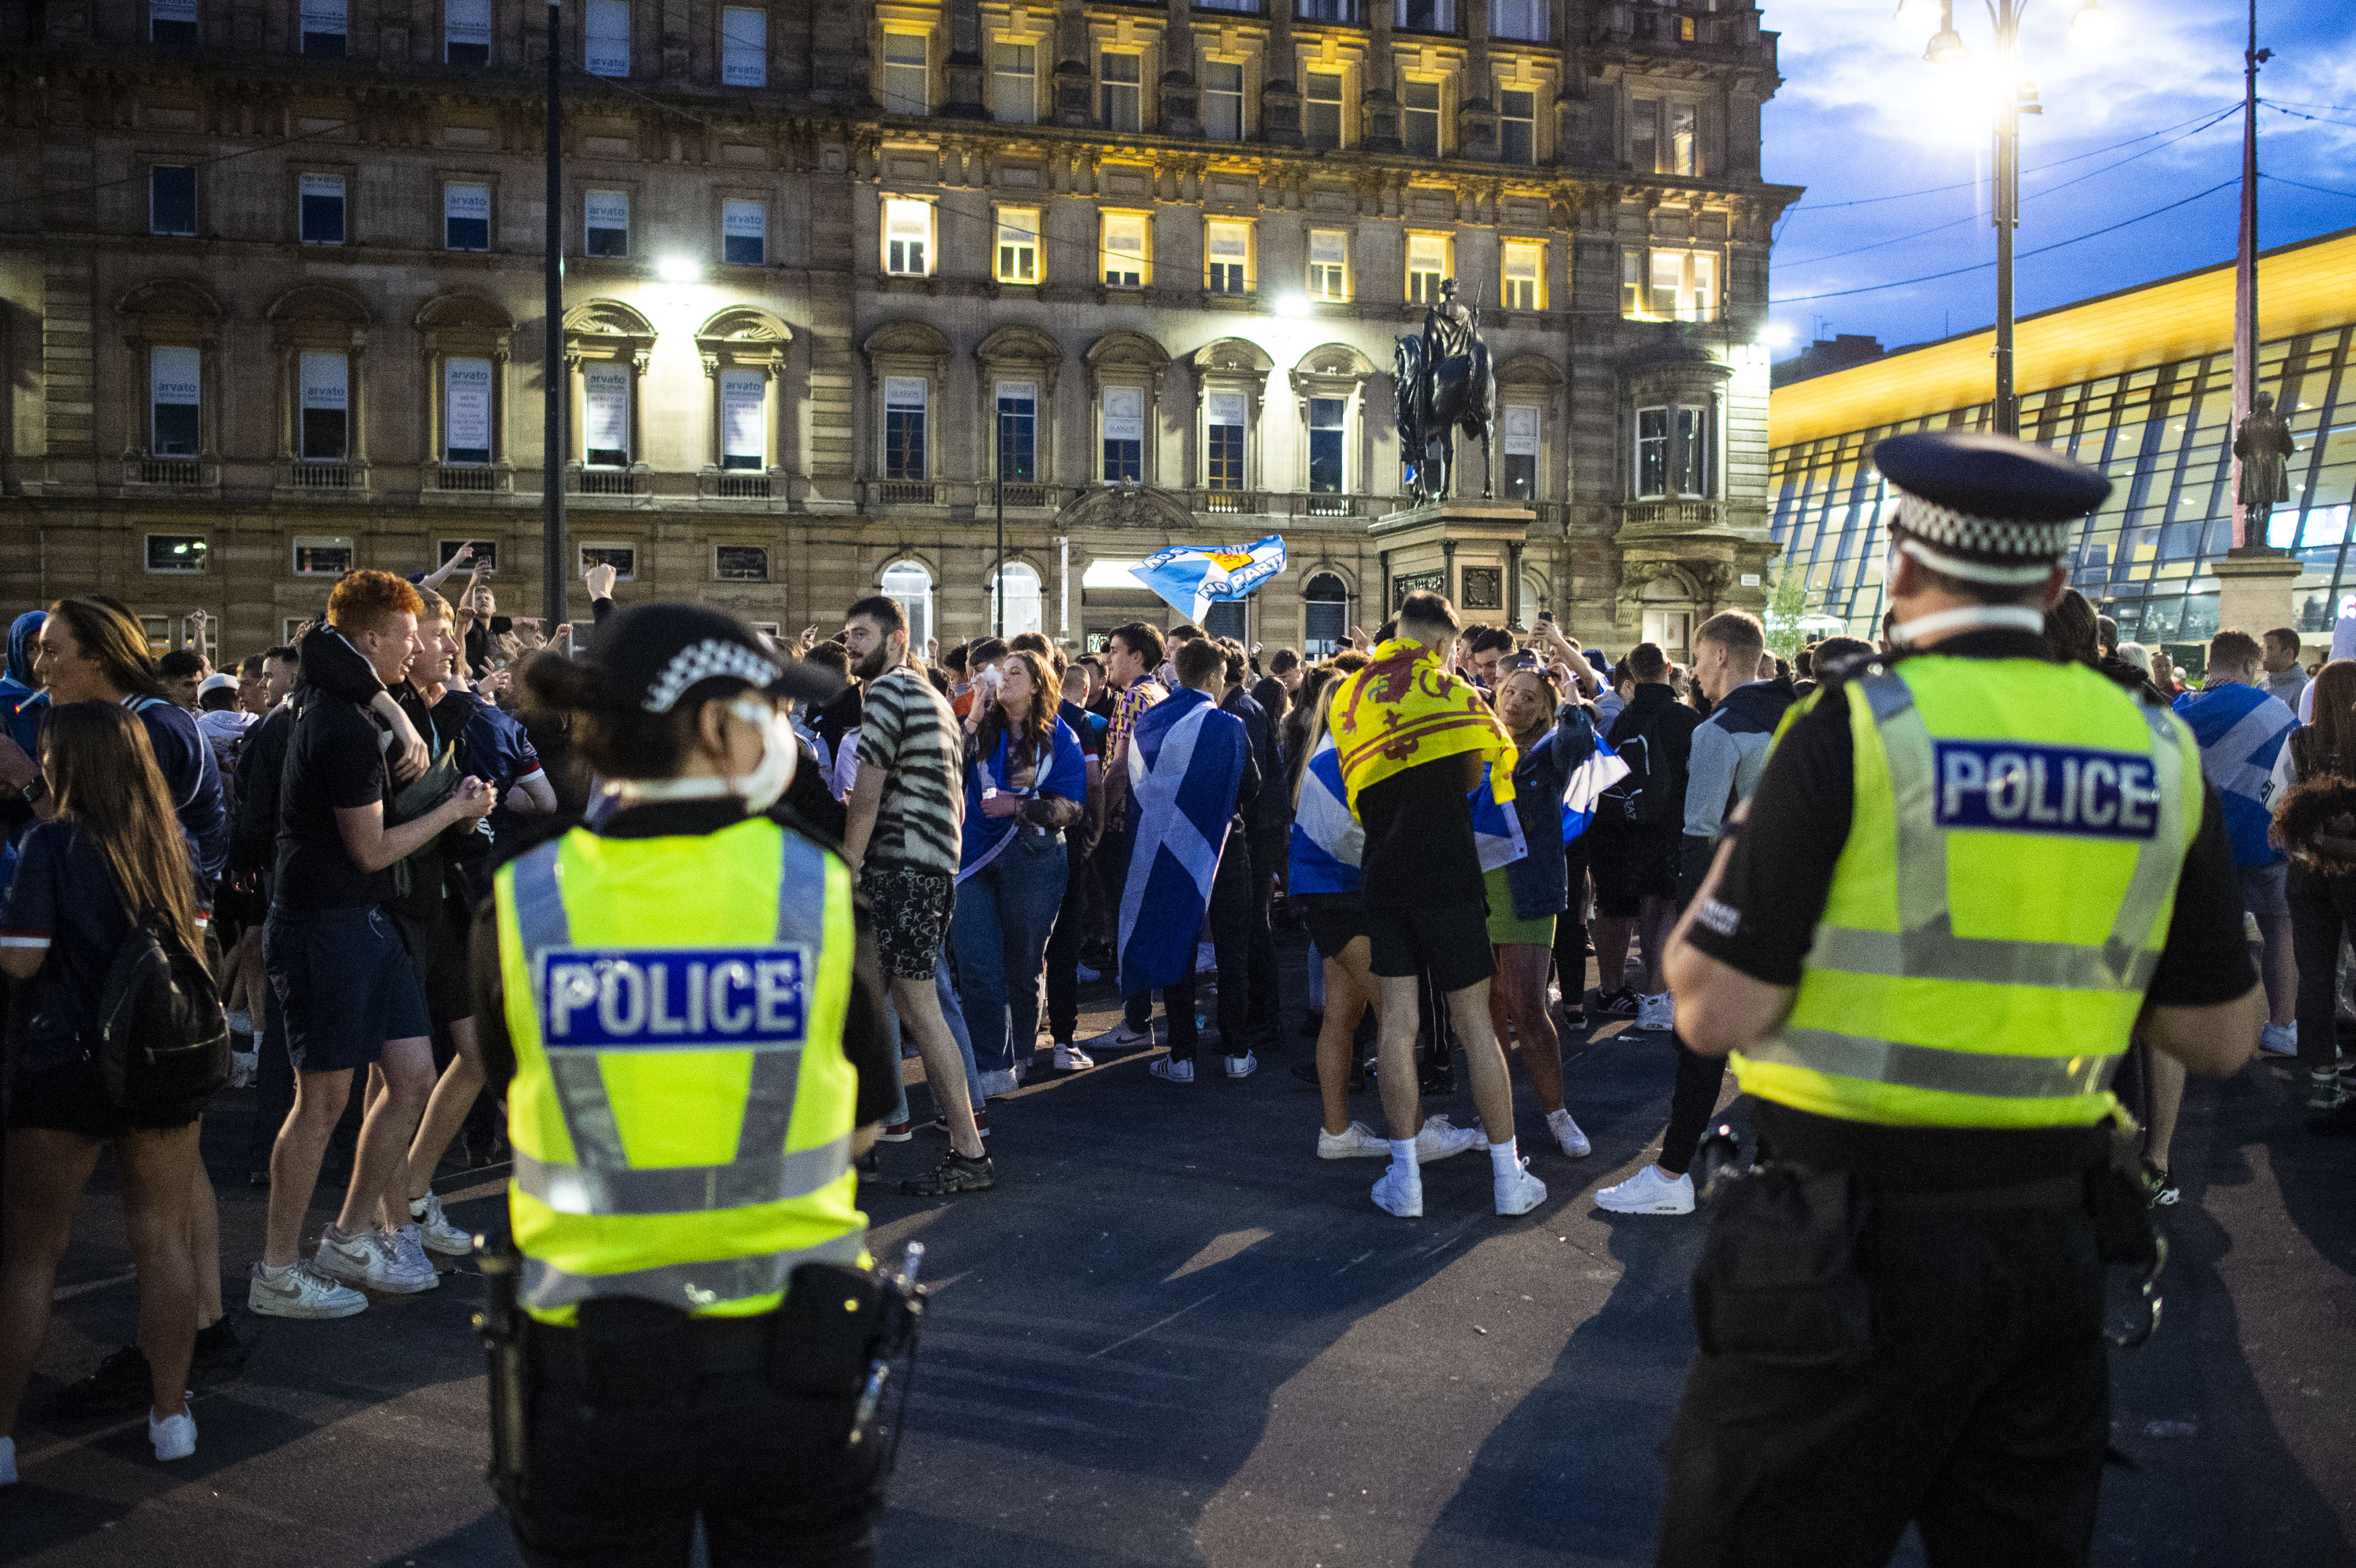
x=684 y=1006
x=1969 y=874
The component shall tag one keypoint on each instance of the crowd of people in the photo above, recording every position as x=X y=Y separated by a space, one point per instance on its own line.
x=1462 y=817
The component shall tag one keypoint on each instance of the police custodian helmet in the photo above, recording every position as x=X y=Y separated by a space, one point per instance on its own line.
x=1985 y=508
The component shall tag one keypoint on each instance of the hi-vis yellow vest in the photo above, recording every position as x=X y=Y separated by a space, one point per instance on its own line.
x=2000 y=905
x=682 y=1109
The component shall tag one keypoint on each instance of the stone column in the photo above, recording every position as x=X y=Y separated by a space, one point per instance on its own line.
x=1476 y=116
x=1279 y=94
x=1380 y=99
x=1181 y=99
x=963 y=68
x=1075 y=80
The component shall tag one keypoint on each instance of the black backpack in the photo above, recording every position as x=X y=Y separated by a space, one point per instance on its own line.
x=162 y=1040
x=1648 y=794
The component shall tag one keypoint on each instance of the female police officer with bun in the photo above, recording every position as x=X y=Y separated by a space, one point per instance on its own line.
x=686 y=1002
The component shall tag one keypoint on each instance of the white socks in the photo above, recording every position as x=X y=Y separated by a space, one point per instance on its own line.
x=1503 y=1160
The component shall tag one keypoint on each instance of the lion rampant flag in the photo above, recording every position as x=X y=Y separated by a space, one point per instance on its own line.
x=1404 y=709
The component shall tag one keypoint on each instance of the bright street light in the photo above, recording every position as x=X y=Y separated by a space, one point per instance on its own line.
x=1291 y=305
x=1913 y=13
x=1777 y=337
x=677 y=269
x=2091 y=24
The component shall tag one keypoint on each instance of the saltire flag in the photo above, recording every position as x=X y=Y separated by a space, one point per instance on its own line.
x=1328 y=842
x=1587 y=781
x=1496 y=827
x=1185 y=761
x=1188 y=577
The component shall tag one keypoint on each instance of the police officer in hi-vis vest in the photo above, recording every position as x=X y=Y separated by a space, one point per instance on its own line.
x=1970 y=873
x=686 y=1013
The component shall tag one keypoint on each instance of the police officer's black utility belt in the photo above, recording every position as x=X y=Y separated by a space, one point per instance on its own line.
x=2053 y=1192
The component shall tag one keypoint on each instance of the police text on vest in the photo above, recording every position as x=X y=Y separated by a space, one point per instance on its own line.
x=2046 y=790
x=673 y=998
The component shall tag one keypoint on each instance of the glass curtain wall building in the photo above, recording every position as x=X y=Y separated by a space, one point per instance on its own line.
x=2138 y=384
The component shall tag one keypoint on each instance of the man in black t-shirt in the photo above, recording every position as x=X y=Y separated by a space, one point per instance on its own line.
x=344 y=983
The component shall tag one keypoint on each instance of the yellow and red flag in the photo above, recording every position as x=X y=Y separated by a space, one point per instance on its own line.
x=1405 y=710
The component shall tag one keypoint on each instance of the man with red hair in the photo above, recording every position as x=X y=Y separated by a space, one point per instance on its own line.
x=340 y=977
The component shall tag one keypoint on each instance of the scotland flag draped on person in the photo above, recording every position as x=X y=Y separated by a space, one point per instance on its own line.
x=1185 y=762
x=1327 y=840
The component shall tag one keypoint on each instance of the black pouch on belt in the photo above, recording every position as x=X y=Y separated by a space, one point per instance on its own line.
x=825 y=1334
x=634 y=1354
x=1776 y=1283
x=2120 y=1202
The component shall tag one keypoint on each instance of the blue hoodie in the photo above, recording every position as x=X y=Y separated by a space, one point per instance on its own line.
x=21 y=701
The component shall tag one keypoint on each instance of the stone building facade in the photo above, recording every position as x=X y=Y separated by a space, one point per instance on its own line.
x=847 y=282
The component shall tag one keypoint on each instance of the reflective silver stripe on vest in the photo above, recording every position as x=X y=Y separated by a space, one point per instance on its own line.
x=1925 y=945
x=691 y=1285
x=1931 y=1066
x=604 y=1182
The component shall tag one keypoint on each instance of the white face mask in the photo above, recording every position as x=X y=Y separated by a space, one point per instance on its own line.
x=766 y=784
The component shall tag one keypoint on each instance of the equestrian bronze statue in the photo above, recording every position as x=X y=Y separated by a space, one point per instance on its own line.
x=1444 y=385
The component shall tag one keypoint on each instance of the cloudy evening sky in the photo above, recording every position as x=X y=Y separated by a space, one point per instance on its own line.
x=1861 y=116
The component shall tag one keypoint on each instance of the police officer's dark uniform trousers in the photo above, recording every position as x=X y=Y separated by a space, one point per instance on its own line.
x=692 y=1023
x=1973 y=863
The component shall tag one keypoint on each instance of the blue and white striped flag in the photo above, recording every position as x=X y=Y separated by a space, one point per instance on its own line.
x=1189 y=578
x=1588 y=782
x=1328 y=844
x=1185 y=759
x=1496 y=829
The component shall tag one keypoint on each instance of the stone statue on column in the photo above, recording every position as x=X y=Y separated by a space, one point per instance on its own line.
x=2264 y=445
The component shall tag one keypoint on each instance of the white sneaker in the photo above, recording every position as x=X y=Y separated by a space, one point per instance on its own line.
x=371 y=1262
x=1243 y=1066
x=410 y=1264
x=175 y=1436
x=999 y=1083
x=1400 y=1192
x=295 y=1291
x=1441 y=1138
x=8 y=1461
x=441 y=1236
x=1656 y=1015
x=1124 y=1036
x=1566 y=1133
x=1069 y=1058
x=1648 y=1192
x=1520 y=1192
x=1360 y=1142
x=1172 y=1072
x=2279 y=1039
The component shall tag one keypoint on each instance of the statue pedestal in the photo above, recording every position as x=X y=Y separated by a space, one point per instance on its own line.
x=1469 y=550
x=2253 y=589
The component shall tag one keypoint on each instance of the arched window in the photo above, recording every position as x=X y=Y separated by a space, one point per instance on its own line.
x=909 y=585
x=1019 y=584
x=1325 y=617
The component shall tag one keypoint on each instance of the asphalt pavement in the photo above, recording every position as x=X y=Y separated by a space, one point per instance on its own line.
x=1172 y=1336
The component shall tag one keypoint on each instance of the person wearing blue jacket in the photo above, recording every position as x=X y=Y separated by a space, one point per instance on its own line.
x=2241 y=727
x=1026 y=782
x=22 y=703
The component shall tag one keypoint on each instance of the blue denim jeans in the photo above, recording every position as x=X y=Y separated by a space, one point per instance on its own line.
x=955 y=1017
x=1005 y=912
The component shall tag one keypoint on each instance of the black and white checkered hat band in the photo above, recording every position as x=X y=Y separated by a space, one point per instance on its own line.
x=1960 y=543
x=700 y=662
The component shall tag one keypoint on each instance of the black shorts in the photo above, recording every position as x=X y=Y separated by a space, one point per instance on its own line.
x=1451 y=942
x=437 y=952
x=70 y=1099
x=909 y=909
x=345 y=986
x=1335 y=920
x=1631 y=864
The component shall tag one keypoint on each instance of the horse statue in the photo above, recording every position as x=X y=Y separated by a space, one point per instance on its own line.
x=1444 y=385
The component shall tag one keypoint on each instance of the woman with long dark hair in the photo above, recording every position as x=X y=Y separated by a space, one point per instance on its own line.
x=2321 y=754
x=111 y=854
x=1026 y=782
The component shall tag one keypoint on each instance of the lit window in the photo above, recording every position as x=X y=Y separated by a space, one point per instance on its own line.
x=744 y=234
x=1428 y=16
x=1522 y=267
x=174 y=403
x=171 y=552
x=907 y=74
x=465 y=217
x=466 y=412
x=1329 y=265
x=1122 y=77
x=1670 y=284
x=743 y=47
x=910 y=587
x=1018 y=432
x=1320 y=110
x=172 y=22
x=908 y=238
x=743 y=404
x=1328 y=417
x=1017 y=99
x=1518 y=127
x=324 y=28
x=467 y=32
x=605 y=414
x=1124 y=435
x=1124 y=250
x=1228 y=247
x=1420 y=117
x=326 y=407
x=1223 y=100
x=171 y=200
x=1521 y=451
x=1427 y=263
x=1517 y=19
x=1018 y=244
x=904 y=427
x=606 y=38
x=322 y=199
x=1223 y=440
x=605 y=219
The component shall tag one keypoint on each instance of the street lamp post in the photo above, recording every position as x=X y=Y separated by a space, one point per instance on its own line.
x=2013 y=99
x=556 y=569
